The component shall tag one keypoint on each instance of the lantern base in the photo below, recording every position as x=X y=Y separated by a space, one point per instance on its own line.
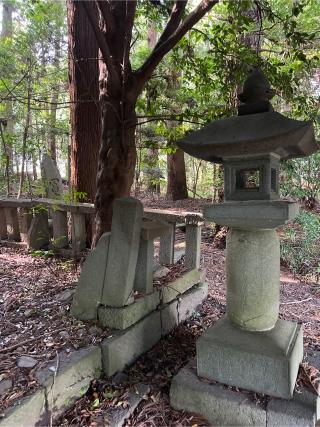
x=265 y=362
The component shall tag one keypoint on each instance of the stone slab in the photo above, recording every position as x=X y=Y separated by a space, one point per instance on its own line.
x=252 y=214
x=51 y=177
x=193 y=245
x=116 y=416
x=12 y=223
x=151 y=230
x=124 y=317
x=58 y=391
x=123 y=252
x=225 y=352
x=219 y=405
x=122 y=349
x=88 y=294
x=290 y=413
x=39 y=233
x=174 y=289
x=143 y=281
x=166 y=251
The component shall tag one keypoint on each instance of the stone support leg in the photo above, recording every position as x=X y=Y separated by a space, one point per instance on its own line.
x=60 y=229
x=13 y=232
x=143 y=281
x=166 y=254
x=193 y=244
x=25 y=218
x=253 y=278
x=78 y=232
x=39 y=233
x=3 y=226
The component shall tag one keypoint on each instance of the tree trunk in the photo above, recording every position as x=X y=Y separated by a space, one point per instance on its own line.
x=84 y=94
x=24 y=138
x=54 y=100
x=177 y=182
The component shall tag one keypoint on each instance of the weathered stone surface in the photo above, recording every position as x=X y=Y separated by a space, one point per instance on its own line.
x=5 y=385
x=180 y=309
x=253 y=278
x=12 y=223
x=150 y=230
x=65 y=295
x=25 y=218
x=51 y=177
x=160 y=272
x=123 y=349
x=3 y=226
x=193 y=245
x=219 y=405
x=116 y=416
x=166 y=252
x=60 y=229
x=123 y=317
x=78 y=232
x=143 y=281
x=290 y=413
x=58 y=390
x=26 y=362
x=39 y=233
x=123 y=252
x=273 y=357
x=252 y=214
x=89 y=289
x=179 y=286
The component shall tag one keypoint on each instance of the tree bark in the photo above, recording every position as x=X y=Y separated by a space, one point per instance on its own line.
x=84 y=94
x=177 y=182
x=54 y=100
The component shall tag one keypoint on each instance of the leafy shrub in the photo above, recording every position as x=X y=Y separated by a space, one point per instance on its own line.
x=300 y=245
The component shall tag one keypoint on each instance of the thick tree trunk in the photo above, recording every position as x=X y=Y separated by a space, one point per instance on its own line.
x=84 y=94
x=177 y=182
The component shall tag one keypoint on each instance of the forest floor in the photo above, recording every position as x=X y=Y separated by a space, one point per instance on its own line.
x=35 y=296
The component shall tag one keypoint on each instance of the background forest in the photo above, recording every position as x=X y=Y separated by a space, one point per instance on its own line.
x=49 y=99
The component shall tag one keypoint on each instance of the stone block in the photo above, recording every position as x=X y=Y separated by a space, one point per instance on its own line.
x=13 y=232
x=123 y=252
x=60 y=229
x=166 y=252
x=51 y=177
x=151 y=230
x=123 y=317
x=39 y=233
x=78 y=232
x=3 y=226
x=265 y=362
x=193 y=245
x=290 y=413
x=123 y=349
x=25 y=218
x=143 y=281
x=180 y=285
x=218 y=404
x=88 y=294
x=180 y=309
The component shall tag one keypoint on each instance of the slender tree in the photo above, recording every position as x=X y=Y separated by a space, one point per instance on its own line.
x=120 y=87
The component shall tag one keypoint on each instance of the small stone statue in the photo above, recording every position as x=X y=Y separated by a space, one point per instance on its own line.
x=256 y=94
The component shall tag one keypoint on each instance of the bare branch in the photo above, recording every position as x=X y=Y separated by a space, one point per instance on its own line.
x=101 y=40
x=130 y=15
x=104 y=8
x=174 y=21
x=146 y=70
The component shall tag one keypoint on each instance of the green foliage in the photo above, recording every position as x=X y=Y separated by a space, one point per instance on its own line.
x=300 y=245
x=41 y=254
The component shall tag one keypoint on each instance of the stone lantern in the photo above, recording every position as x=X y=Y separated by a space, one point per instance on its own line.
x=251 y=347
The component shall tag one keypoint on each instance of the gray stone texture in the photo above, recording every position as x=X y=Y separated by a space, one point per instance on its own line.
x=25 y=218
x=78 y=232
x=193 y=245
x=58 y=391
x=143 y=281
x=253 y=278
x=166 y=252
x=151 y=230
x=3 y=226
x=39 y=233
x=180 y=285
x=60 y=229
x=265 y=362
x=290 y=413
x=123 y=252
x=252 y=214
x=219 y=405
x=51 y=177
x=123 y=317
x=12 y=223
x=89 y=289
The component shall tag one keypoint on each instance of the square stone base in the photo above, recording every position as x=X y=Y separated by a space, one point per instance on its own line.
x=265 y=362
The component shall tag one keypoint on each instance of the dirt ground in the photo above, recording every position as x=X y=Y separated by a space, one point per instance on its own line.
x=35 y=297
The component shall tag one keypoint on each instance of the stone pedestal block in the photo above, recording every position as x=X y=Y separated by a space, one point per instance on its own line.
x=143 y=281
x=39 y=233
x=123 y=252
x=193 y=243
x=3 y=226
x=253 y=278
x=166 y=252
x=25 y=218
x=60 y=229
x=265 y=362
x=12 y=222
x=78 y=232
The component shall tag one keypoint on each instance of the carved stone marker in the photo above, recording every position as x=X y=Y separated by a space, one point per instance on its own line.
x=123 y=252
x=51 y=177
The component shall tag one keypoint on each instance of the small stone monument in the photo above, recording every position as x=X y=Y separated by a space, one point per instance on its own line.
x=51 y=177
x=250 y=347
